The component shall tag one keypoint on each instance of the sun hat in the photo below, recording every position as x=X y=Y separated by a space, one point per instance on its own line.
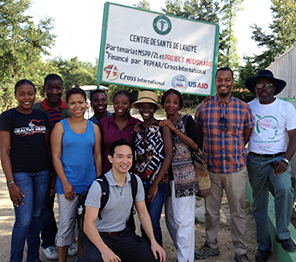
x=147 y=97
x=279 y=84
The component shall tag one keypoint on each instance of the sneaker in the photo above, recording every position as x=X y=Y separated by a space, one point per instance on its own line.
x=72 y=250
x=51 y=252
x=262 y=256
x=242 y=258
x=206 y=251
x=287 y=244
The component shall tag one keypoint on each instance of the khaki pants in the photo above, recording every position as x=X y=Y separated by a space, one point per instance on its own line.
x=235 y=185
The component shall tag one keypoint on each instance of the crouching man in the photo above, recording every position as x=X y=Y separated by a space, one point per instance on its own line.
x=108 y=238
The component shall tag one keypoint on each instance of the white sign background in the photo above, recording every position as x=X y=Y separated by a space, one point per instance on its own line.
x=134 y=54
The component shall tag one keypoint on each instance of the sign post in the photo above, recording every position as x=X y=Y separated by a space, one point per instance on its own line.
x=145 y=49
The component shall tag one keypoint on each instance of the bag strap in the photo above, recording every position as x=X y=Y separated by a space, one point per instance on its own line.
x=134 y=183
x=131 y=222
x=102 y=180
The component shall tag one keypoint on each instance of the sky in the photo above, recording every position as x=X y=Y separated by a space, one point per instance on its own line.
x=78 y=24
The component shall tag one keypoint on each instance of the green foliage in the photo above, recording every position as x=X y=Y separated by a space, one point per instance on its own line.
x=75 y=72
x=204 y=10
x=283 y=32
x=227 y=47
x=143 y=4
x=249 y=70
x=281 y=38
x=222 y=12
x=21 y=45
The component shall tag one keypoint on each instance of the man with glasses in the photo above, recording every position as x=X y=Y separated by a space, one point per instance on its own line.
x=269 y=158
x=224 y=125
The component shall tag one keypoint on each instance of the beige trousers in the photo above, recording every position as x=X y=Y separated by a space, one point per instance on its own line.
x=235 y=185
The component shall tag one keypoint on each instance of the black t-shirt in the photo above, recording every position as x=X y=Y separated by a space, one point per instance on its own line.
x=27 y=139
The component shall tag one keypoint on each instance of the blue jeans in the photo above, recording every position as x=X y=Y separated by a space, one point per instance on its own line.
x=260 y=176
x=154 y=209
x=28 y=216
x=48 y=224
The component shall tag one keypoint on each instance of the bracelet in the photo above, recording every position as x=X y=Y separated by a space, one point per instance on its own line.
x=286 y=160
x=10 y=182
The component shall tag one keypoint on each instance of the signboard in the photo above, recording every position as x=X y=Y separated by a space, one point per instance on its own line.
x=144 y=49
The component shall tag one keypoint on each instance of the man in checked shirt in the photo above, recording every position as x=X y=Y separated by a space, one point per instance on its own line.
x=224 y=125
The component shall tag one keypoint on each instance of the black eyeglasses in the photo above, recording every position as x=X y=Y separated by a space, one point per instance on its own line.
x=224 y=126
x=268 y=86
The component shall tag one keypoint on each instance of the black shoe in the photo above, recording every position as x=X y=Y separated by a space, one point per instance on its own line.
x=262 y=256
x=242 y=258
x=287 y=244
x=206 y=251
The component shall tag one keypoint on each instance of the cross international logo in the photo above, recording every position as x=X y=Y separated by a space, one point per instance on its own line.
x=162 y=25
x=111 y=72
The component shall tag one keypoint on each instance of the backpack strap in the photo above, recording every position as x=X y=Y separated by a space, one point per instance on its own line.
x=102 y=180
x=134 y=183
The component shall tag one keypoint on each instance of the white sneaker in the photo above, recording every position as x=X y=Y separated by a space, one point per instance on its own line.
x=72 y=250
x=51 y=253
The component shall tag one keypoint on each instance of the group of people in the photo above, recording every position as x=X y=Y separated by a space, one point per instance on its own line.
x=50 y=147
x=226 y=125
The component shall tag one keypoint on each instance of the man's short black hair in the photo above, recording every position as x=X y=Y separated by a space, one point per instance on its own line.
x=52 y=77
x=96 y=91
x=224 y=69
x=75 y=90
x=172 y=91
x=120 y=142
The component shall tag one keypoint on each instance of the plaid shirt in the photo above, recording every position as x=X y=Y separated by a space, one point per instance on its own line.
x=223 y=141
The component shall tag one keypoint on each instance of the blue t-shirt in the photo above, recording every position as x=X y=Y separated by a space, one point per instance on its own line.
x=77 y=158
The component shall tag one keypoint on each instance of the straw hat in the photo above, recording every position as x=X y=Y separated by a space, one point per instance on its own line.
x=147 y=97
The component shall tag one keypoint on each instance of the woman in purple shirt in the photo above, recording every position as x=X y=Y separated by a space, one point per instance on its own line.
x=119 y=125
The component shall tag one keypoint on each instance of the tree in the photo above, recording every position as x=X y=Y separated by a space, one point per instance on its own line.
x=281 y=38
x=204 y=10
x=249 y=70
x=143 y=4
x=222 y=12
x=283 y=32
x=75 y=72
x=21 y=45
x=228 y=55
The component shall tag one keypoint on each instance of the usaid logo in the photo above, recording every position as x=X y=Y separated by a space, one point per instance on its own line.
x=180 y=83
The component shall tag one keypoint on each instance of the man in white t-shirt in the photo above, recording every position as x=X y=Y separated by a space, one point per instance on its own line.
x=269 y=158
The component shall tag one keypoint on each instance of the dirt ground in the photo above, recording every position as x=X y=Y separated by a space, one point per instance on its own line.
x=226 y=249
